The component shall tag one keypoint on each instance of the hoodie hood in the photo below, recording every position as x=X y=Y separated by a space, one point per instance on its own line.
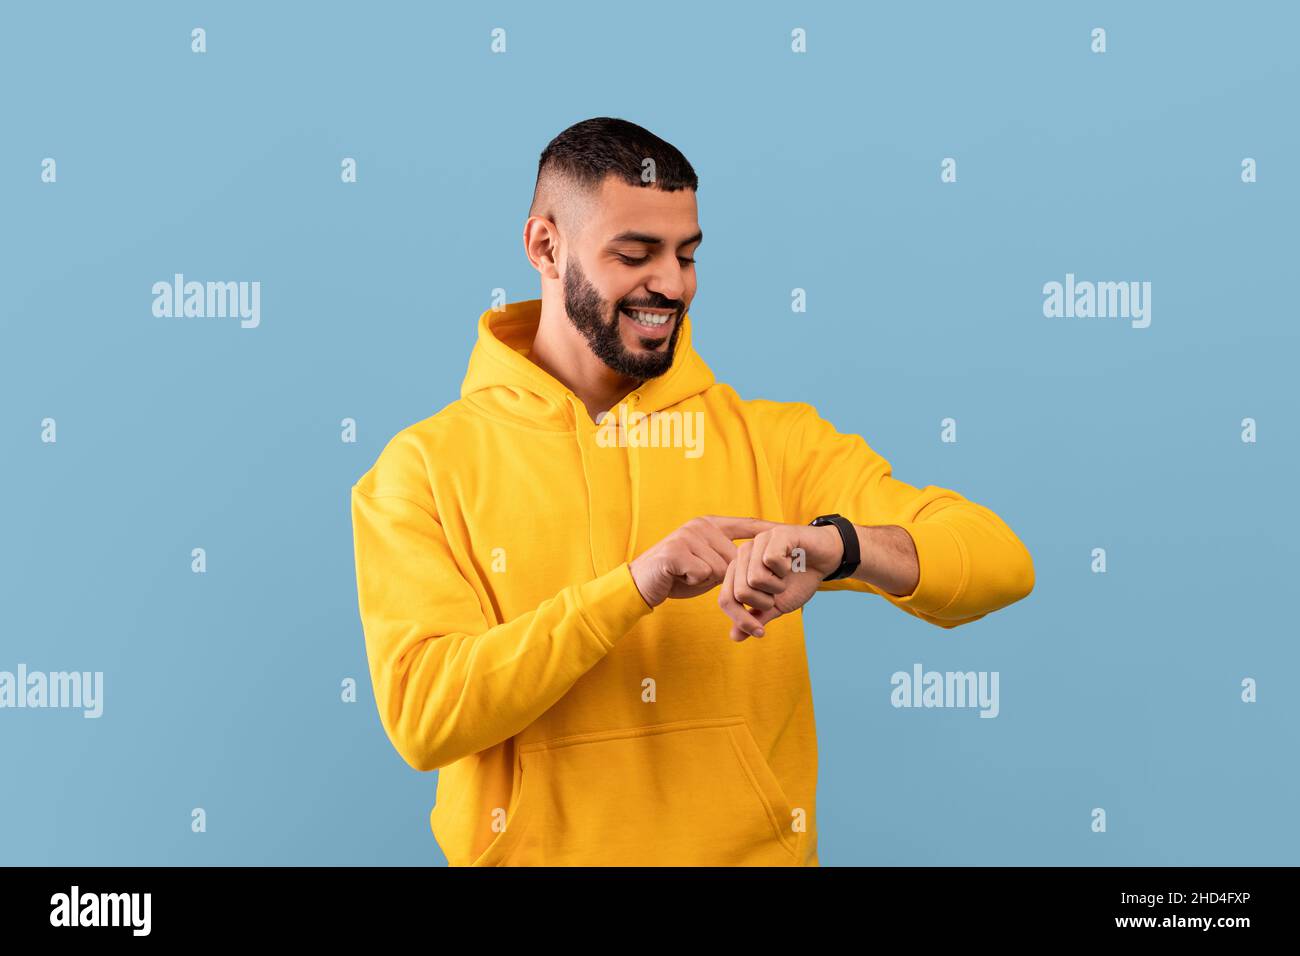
x=504 y=383
x=503 y=380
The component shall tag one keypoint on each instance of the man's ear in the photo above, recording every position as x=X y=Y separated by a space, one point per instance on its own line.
x=541 y=245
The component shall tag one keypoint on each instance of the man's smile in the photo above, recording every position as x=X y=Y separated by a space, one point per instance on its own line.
x=653 y=323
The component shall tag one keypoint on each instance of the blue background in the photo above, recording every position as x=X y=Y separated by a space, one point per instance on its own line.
x=818 y=171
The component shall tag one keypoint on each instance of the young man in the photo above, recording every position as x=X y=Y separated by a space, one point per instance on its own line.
x=536 y=578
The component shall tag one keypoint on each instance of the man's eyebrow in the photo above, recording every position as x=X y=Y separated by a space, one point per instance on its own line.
x=649 y=240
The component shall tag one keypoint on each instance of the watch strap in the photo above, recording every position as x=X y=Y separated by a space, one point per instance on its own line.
x=849 y=535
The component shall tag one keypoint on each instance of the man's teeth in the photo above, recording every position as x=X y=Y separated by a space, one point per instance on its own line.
x=648 y=318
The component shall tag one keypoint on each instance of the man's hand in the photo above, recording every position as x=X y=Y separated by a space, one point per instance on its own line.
x=764 y=581
x=693 y=560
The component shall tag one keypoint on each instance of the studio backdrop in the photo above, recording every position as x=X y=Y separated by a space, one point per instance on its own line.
x=1044 y=254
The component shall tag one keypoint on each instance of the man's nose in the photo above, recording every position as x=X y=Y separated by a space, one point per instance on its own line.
x=669 y=282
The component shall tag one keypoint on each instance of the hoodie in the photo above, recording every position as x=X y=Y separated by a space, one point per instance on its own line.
x=510 y=649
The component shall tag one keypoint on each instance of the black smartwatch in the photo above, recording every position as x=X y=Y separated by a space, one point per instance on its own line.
x=852 y=557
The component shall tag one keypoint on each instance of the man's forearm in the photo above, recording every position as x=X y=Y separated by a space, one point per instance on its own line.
x=889 y=559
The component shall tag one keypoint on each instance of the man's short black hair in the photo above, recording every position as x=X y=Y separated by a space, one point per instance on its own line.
x=579 y=159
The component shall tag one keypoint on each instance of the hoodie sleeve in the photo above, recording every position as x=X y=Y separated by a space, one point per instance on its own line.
x=446 y=684
x=971 y=562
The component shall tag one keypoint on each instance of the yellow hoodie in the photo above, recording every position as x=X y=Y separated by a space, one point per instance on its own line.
x=510 y=649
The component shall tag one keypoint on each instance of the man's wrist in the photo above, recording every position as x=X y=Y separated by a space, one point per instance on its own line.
x=834 y=547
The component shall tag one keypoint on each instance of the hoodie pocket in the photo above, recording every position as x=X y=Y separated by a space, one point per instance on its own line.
x=688 y=793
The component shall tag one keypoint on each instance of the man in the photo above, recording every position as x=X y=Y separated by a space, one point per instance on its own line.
x=536 y=577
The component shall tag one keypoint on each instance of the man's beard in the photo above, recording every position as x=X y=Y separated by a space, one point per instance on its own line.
x=600 y=325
